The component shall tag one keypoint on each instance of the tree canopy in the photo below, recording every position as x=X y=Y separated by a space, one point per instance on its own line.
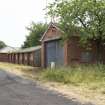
x=87 y=16
x=36 y=30
x=2 y=44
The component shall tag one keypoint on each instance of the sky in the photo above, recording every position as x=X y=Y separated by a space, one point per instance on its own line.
x=15 y=15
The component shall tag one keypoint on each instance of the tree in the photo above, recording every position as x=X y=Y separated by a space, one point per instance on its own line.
x=2 y=44
x=36 y=30
x=87 y=16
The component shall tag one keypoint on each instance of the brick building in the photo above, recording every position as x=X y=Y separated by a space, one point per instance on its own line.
x=28 y=56
x=4 y=53
x=69 y=53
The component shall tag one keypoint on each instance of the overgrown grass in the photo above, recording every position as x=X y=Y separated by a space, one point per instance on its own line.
x=77 y=75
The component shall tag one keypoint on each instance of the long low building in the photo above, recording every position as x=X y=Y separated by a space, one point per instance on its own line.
x=4 y=53
x=28 y=56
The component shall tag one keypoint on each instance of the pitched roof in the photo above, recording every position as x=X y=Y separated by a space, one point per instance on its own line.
x=51 y=24
x=31 y=49
x=7 y=49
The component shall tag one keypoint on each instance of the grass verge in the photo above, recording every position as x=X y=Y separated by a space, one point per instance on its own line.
x=86 y=75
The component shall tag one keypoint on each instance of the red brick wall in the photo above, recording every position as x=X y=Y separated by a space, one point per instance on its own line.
x=66 y=53
x=52 y=33
x=4 y=57
x=12 y=58
x=31 y=58
x=73 y=52
x=9 y=57
x=43 y=60
x=25 y=58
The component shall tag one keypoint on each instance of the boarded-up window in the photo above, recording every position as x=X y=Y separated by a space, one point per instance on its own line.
x=86 y=56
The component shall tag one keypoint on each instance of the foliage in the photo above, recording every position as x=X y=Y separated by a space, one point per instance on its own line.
x=36 y=30
x=85 y=17
x=2 y=44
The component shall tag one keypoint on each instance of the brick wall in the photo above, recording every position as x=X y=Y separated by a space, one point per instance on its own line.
x=43 y=58
x=52 y=33
x=74 y=51
x=4 y=57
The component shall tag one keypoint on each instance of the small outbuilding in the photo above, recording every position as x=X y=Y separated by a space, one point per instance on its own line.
x=64 y=54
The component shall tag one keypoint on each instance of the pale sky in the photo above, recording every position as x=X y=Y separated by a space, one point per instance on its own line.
x=15 y=15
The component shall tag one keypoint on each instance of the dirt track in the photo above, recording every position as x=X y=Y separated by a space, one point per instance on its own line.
x=15 y=90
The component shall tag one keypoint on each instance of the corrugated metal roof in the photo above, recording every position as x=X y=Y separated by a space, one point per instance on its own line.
x=27 y=49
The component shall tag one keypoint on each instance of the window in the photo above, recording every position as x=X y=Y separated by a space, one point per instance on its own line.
x=86 y=56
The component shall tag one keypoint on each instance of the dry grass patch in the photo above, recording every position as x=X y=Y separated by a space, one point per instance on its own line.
x=25 y=71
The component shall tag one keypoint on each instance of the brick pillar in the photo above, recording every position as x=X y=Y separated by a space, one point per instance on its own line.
x=66 y=53
x=43 y=61
x=8 y=57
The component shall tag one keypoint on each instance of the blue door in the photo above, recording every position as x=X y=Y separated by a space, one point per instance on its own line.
x=54 y=53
